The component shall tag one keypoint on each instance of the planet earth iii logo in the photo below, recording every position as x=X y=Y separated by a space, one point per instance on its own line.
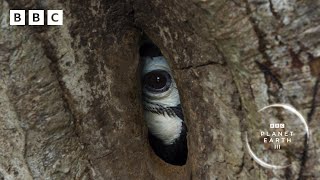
x=275 y=136
x=276 y=140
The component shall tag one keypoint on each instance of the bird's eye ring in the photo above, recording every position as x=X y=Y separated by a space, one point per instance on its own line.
x=157 y=81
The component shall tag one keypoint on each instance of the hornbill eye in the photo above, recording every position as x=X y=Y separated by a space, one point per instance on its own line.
x=157 y=81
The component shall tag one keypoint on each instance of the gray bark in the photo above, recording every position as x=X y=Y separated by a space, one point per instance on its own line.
x=69 y=95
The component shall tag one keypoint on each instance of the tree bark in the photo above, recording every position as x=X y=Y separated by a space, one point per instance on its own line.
x=69 y=95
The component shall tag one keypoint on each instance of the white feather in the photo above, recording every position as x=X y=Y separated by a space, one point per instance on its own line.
x=164 y=127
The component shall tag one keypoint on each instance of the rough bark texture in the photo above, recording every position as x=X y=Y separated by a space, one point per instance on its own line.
x=69 y=95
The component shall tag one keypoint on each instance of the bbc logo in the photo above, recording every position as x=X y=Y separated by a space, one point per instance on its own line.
x=36 y=17
x=277 y=125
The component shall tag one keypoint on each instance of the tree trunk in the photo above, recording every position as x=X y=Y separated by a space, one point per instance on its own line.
x=69 y=95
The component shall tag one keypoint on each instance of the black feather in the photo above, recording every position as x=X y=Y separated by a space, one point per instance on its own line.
x=149 y=50
x=178 y=111
x=175 y=153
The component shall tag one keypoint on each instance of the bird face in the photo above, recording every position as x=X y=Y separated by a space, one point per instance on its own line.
x=162 y=110
x=159 y=96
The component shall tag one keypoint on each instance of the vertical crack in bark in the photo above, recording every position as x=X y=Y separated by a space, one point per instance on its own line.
x=259 y=33
x=7 y=80
x=25 y=152
x=131 y=13
x=274 y=13
x=25 y=131
x=50 y=53
x=304 y=157
x=268 y=73
x=314 y=97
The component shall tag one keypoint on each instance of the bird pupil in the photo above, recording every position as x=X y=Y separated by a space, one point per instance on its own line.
x=156 y=80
